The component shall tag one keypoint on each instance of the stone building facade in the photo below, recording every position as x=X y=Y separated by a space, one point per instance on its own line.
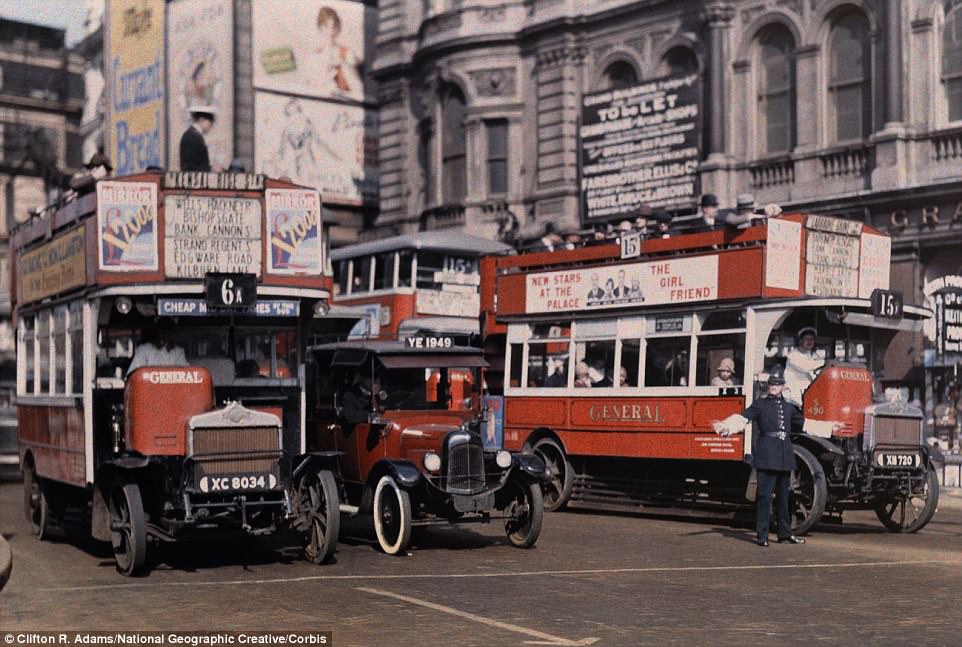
x=850 y=107
x=41 y=99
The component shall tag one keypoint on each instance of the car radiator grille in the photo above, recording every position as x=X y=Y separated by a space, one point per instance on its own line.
x=236 y=450
x=465 y=466
x=892 y=430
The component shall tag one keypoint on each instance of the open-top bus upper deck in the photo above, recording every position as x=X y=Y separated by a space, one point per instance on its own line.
x=166 y=232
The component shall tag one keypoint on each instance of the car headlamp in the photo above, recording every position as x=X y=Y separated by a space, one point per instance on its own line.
x=503 y=458
x=431 y=462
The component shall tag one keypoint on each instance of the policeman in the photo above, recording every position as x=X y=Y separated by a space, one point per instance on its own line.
x=193 y=146
x=773 y=455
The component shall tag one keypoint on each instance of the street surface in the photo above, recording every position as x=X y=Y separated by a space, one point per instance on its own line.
x=593 y=578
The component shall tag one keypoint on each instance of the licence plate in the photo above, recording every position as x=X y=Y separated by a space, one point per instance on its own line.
x=898 y=459
x=238 y=482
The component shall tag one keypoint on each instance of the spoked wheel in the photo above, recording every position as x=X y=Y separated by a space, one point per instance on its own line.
x=809 y=492
x=35 y=504
x=910 y=513
x=392 y=516
x=319 y=515
x=557 y=491
x=128 y=528
x=526 y=508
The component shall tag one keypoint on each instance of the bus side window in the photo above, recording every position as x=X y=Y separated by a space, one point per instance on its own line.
x=666 y=361
x=405 y=267
x=629 y=362
x=600 y=358
x=720 y=359
x=517 y=359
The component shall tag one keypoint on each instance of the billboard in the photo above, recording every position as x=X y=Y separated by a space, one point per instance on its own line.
x=127 y=226
x=134 y=68
x=313 y=48
x=640 y=145
x=331 y=147
x=200 y=72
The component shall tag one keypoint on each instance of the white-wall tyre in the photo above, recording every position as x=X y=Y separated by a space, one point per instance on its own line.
x=392 y=516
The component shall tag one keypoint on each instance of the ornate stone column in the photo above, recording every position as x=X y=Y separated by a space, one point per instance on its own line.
x=718 y=16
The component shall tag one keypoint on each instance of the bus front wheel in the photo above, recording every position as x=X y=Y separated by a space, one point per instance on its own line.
x=128 y=528
x=809 y=492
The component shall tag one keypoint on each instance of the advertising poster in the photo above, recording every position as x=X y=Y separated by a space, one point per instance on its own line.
x=943 y=296
x=127 y=226
x=617 y=286
x=494 y=424
x=640 y=145
x=204 y=234
x=200 y=71
x=294 y=223
x=313 y=48
x=53 y=267
x=783 y=254
x=331 y=147
x=874 y=265
x=134 y=67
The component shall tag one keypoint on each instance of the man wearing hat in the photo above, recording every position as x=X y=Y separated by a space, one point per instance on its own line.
x=98 y=168
x=193 y=147
x=802 y=364
x=663 y=228
x=773 y=455
x=744 y=216
x=711 y=220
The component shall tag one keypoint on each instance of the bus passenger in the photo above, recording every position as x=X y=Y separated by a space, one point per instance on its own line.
x=158 y=348
x=598 y=373
x=623 y=377
x=801 y=365
x=581 y=375
x=557 y=378
x=726 y=373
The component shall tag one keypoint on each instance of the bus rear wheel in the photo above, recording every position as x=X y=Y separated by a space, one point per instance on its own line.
x=557 y=491
x=36 y=504
x=128 y=528
x=910 y=513
x=809 y=492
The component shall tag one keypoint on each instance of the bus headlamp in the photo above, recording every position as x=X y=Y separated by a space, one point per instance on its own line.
x=321 y=308
x=432 y=462
x=123 y=305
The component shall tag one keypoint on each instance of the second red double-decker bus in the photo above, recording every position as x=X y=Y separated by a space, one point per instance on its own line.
x=619 y=359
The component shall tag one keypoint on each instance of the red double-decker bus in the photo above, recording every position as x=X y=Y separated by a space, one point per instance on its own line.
x=161 y=324
x=426 y=283
x=618 y=359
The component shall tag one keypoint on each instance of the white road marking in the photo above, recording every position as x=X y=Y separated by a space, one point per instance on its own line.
x=449 y=576
x=543 y=638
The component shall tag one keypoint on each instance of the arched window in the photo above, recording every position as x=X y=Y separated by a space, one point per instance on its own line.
x=453 y=146
x=775 y=84
x=849 y=78
x=678 y=61
x=952 y=62
x=619 y=74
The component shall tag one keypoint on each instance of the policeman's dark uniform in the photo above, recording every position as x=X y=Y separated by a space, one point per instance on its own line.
x=773 y=457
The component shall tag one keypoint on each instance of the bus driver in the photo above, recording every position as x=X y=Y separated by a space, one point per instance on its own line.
x=158 y=348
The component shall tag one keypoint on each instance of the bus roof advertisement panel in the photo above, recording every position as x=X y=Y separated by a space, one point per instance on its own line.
x=211 y=234
x=294 y=222
x=54 y=267
x=662 y=282
x=782 y=254
x=127 y=226
x=874 y=264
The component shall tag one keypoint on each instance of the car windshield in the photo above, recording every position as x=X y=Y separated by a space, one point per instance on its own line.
x=415 y=389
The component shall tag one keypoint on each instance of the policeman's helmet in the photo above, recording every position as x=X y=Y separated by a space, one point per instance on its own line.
x=777 y=375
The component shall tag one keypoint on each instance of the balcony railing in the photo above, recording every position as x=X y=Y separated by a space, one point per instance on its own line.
x=772 y=173
x=847 y=163
x=947 y=146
